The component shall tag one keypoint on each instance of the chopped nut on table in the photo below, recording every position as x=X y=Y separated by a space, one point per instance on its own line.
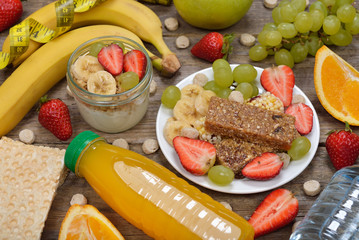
x=295 y=225
x=226 y=205
x=171 y=24
x=68 y=90
x=270 y=3
x=27 y=136
x=200 y=79
x=247 y=39
x=182 y=42
x=311 y=187
x=120 y=142
x=150 y=146
x=153 y=87
x=79 y=199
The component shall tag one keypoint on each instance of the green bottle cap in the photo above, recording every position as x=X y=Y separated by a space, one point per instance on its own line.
x=76 y=147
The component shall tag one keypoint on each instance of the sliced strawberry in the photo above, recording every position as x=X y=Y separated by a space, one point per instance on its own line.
x=303 y=117
x=279 y=80
x=135 y=61
x=196 y=156
x=111 y=58
x=264 y=167
x=278 y=209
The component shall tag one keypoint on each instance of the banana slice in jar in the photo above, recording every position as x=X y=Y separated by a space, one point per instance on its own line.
x=101 y=82
x=185 y=110
x=191 y=91
x=173 y=129
x=84 y=67
x=201 y=103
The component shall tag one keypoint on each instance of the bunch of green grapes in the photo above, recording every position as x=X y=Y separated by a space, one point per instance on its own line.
x=242 y=79
x=296 y=32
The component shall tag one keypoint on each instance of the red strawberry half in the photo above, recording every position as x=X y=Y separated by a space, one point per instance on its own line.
x=213 y=46
x=10 y=13
x=196 y=156
x=279 y=80
x=135 y=61
x=111 y=58
x=343 y=147
x=264 y=167
x=278 y=209
x=303 y=117
x=55 y=117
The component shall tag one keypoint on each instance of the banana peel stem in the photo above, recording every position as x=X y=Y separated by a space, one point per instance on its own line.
x=157 y=63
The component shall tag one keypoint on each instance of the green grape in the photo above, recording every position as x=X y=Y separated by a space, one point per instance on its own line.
x=287 y=30
x=220 y=63
x=276 y=15
x=300 y=5
x=128 y=80
x=255 y=90
x=300 y=146
x=244 y=73
x=313 y=44
x=95 y=48
x=328 y=3
x=346 y=13
x=221 y=175
x=224 y=93
x=257 y=53
x=269 y=26
x=170 y=96
x=331 y=24
x=299 y=52
x=262 y=37
x=319 y=6
x=303 y=22
x=223 y=77
x=283 y=57
x=246 y=89
x=273 y=38
x=283 y=2
x=211 y=85
x=288 y=13
x=341 y=38
x=318 y=18
x=353 y=27
x=339 y=3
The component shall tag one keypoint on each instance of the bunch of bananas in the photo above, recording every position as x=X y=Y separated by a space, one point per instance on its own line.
x=25 y=86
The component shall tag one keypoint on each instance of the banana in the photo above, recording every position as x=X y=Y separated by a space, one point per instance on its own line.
x=184 y=110
x=42 y=70
x=101 y=82
x=83 y=68
x=191 y=91
x=173 y=128
x=202 y=102
x=129 y=14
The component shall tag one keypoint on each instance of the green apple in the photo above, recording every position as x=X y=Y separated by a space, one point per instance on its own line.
x=212 y=14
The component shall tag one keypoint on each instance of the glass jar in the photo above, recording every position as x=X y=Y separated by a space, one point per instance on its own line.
x=117 y=112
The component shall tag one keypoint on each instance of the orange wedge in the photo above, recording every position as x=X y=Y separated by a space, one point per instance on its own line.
x=337 y=86
x=86 y=222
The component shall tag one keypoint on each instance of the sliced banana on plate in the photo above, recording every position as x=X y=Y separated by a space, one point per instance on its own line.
x=84 y=67
x=191 y=91
x=102 y=82
x=185 y=111
x=202 y=102
x=173 y=129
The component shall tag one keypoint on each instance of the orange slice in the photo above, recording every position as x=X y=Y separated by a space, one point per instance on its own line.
x=86 y=222
x=337 y=86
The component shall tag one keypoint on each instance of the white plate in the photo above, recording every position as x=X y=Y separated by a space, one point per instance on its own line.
x=238 y=186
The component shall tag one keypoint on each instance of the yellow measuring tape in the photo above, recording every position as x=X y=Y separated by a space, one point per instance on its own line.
x=21 y=33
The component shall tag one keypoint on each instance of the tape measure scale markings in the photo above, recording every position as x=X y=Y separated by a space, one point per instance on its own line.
x=21 y=33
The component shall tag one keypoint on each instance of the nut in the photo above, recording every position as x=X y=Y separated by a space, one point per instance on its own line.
x=68 y=90
x=297 y=98
x=285 y=158
x=79 y=199
x=182 y=42
x=236 y=96
x=295 y=225
x=153 y=87
x=27 y=136
x=171 y=24
x=247 y=39
x=122 y=143
x=200 y=79
x=150 y=146
x=270 y=3
x=190 y=132
x=311 y=187
x=226 y=205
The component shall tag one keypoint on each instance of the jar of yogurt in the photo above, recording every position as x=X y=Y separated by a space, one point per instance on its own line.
x=102 y=102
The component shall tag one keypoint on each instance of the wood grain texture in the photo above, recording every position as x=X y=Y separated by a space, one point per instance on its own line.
x=319 y=169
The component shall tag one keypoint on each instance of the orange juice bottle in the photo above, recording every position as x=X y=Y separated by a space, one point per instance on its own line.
x=149 y=196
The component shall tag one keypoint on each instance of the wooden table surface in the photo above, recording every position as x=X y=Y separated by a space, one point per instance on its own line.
x=319 y=169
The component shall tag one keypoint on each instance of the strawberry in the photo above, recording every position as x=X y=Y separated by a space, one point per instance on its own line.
x=342 y=147
x=10 y=13
x=111 y=58
x=278 y=209
x=303 y=117
x=196 y=156
x=213 y=46
x=55 y=117
x=279 y=80
x=264 y=167
x=135 y=61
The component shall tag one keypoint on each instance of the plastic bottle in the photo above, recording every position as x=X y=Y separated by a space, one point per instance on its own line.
x=335 y=213
x=149 y=196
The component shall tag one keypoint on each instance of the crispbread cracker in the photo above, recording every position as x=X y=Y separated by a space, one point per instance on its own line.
x=29 y=177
